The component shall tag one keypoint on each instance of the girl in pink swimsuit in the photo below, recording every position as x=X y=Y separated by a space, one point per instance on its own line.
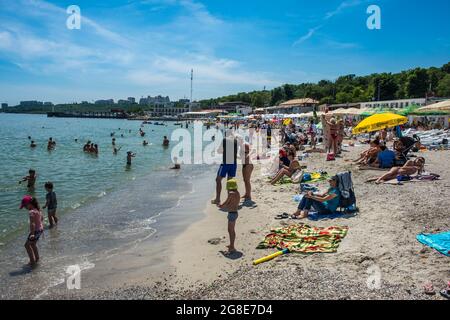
x=36 y=227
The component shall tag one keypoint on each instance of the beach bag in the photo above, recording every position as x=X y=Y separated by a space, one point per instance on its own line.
x=347 y=199
x=331 y=157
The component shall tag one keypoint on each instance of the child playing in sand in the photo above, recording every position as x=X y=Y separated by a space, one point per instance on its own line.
x=36 y=228
x=31 y=178
x=51 y=204
x=232 y=205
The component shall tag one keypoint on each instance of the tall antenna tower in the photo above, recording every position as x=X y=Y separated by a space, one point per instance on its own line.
x=192 y=81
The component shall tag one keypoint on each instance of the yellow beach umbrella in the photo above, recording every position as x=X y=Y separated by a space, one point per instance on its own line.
x=378 y=122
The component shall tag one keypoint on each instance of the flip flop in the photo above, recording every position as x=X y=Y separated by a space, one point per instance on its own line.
x=445 y=293
x=282 y=216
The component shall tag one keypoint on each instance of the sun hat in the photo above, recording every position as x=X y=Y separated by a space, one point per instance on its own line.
x=26 y=200
x=232 y=184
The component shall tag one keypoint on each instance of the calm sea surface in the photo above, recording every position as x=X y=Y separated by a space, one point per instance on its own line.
x=102 y=204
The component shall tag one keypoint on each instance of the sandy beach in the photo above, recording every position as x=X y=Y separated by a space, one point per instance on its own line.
x=381 y=241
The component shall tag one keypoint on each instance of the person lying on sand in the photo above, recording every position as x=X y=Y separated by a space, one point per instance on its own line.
x=232 y=206
x=286 y=171
x=326 y=203
x=410 y=168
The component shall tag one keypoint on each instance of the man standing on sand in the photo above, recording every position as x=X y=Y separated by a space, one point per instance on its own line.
x=228 y=168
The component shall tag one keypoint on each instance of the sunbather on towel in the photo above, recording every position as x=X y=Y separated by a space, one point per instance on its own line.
x=410 y=168
x=326 y=203
x=286 y=171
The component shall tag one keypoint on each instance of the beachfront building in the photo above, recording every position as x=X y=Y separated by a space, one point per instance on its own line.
x=203 y=114
x=404 y=103
x=295 y=106
x=4 y=106
x=170 y=110
x=240 y=107
x=154 y=101
x=332 y=107
x=32 y=103
x=174 y=109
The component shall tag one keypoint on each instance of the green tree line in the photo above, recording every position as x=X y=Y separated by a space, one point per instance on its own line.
x=413 y=83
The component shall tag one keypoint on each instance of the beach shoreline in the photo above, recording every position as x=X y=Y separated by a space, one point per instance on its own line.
x=381 y=238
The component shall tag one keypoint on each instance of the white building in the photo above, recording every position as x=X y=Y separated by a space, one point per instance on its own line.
x=394 y=103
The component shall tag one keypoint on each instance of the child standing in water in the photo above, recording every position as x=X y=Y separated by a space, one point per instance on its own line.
x=130 y=155
x=232 y=206
x=36 y=228
x=51 y=204
x=31 y=179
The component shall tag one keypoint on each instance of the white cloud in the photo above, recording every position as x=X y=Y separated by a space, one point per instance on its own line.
x=158 y=58
x=342 y=6
x=307 y=36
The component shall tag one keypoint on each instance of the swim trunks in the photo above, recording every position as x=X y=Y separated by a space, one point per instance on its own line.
x=232 y=216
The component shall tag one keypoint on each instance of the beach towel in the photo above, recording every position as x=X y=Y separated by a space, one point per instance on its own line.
x=302 y=238
x=440 y=241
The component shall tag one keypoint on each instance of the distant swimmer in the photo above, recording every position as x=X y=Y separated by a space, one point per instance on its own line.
x=115 y=150
x=31 y=179
x=32 y=145
x=76 y=140
x=113 y=141
x=87 y=146
x=130 y=155
x=51 y=144
x=29 y=137
x=166 y=142
x=145 y=143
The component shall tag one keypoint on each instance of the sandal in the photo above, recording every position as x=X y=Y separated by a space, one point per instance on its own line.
x=282 y=216
x=445 y=293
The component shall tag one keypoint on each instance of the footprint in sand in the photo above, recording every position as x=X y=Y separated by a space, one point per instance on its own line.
x=214 y=241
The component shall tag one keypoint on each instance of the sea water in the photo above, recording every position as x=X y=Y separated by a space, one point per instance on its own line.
x=103 y=205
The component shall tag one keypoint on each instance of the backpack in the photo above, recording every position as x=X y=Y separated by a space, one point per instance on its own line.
x=347 y=199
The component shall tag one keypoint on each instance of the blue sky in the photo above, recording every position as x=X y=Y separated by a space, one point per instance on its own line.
x=147 y=47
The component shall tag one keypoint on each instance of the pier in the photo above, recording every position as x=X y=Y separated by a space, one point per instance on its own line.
x=92 y=115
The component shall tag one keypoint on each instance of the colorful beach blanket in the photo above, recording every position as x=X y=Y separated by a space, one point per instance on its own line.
x=440 y=241
x=305 y=239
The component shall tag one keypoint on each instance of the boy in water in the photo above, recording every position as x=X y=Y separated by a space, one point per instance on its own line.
x=166 y=142
x=31 y=178
x=32 y=145
x=129 y=156
x=51 y=204
x=232 y=206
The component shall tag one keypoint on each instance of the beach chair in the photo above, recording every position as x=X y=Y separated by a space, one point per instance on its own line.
x=347 y=200
x=408 y=144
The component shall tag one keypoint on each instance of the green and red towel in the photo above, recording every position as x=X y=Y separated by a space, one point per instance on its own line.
x=305 y=239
